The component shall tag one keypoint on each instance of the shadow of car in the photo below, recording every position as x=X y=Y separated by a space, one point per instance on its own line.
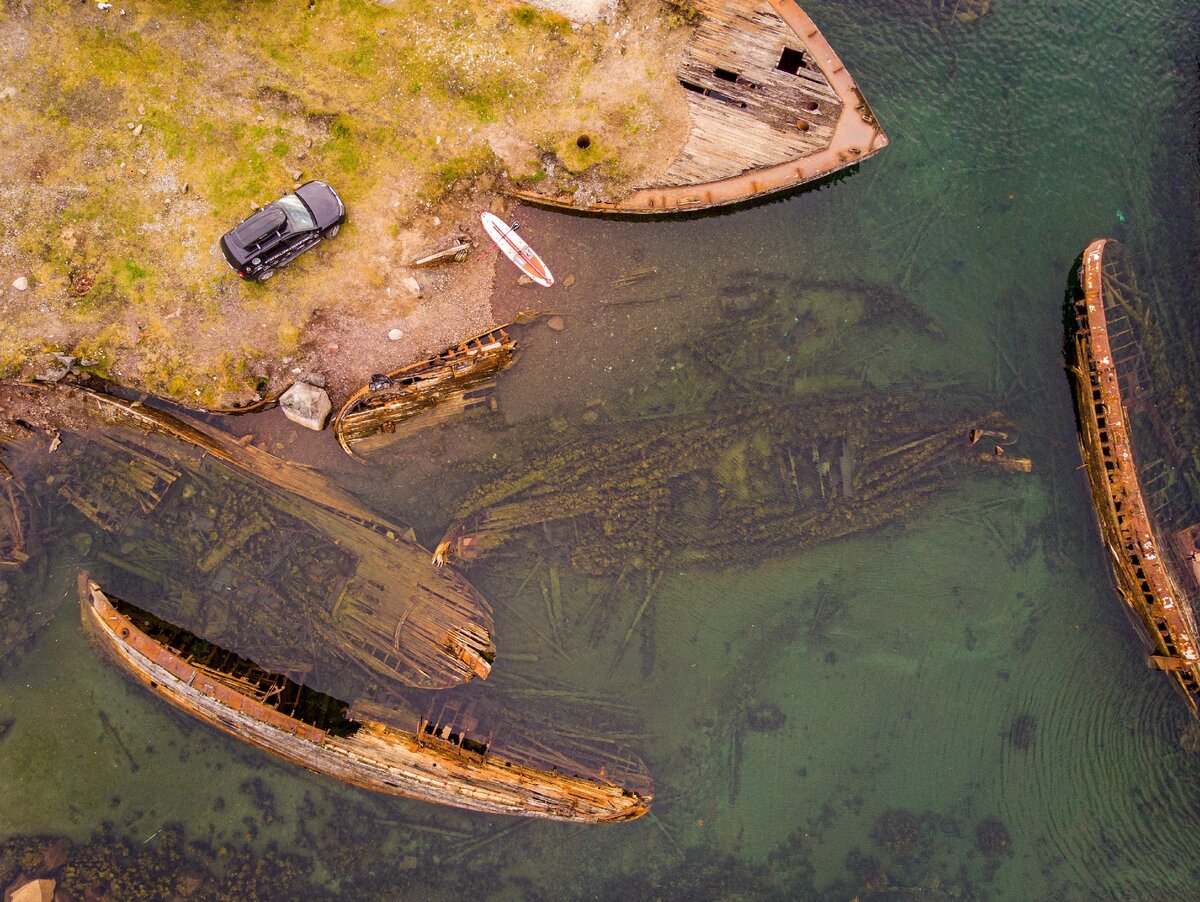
x=282 y=230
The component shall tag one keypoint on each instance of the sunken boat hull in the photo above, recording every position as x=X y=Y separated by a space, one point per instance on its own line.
x=423 y=394
x=1150 y=577
x=771 y=107
x=424 y=762
x=265 y=557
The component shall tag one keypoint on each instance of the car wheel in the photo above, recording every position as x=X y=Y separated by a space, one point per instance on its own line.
x=262 y=277
x=332 y=230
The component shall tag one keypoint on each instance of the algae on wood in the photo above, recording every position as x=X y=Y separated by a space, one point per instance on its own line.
x=267 y=558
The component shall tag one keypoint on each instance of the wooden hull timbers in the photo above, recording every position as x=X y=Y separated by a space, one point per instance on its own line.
x=424 y=393
x=771 y=107
x=1150 y=577
x=319 y=579
x=434 y=762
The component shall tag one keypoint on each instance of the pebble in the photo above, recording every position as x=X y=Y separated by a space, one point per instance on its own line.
x=258 y=118
x=141 y=109
x=412 y=285
x=569 y=281
x=253 y=205
x=395 y=335
x=556 y=323
x=7 y=92
x=137 y=130
x=20 y=283
x=524 y=280
x=297 y=173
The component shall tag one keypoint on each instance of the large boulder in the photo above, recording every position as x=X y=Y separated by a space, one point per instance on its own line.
x=307 y=405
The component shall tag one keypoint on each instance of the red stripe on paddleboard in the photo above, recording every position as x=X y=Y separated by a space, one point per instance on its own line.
x=527 y=254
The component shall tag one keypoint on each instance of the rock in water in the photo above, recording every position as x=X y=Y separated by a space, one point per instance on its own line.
x=556 y=323
x=306 y=405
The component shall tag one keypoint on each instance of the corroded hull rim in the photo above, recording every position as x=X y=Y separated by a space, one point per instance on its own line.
x=379 y=757
x=1142 y=572
x=857 y=137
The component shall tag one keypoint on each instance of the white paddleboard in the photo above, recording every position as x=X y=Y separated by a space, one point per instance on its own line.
x=514 y=247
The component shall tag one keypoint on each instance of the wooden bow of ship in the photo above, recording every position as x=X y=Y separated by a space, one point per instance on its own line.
x=771 y=107
x=1149 y=576
x=432 y=758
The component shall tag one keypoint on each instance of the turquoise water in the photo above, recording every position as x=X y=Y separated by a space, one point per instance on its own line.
x=966 y=710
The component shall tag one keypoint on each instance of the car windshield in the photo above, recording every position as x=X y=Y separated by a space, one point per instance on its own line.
x=297 y=213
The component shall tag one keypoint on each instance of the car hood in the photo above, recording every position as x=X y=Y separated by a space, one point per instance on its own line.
x=326 y=206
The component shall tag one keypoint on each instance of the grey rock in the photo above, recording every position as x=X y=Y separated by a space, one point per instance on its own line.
x=306 y=405
x=66 y=359
x=137 y=129
x=53 y=374
x=317 y=379
x=412 y=285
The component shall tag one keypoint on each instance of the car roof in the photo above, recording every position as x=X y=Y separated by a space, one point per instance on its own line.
x=263 y=223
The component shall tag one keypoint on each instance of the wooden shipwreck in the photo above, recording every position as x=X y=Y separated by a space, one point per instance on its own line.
x=1157 y=574
x=771 y=107
x=254 y=552
x=423 y=394
x=726 y=488
x=432 y=758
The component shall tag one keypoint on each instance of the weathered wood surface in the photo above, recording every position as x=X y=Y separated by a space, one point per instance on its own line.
x=424 y=394
x=284 y=561
x=14 y=522
x=755 y=128
x=428 y=761
x=1142 y=564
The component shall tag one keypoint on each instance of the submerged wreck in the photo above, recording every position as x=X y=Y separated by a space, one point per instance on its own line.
x=771 y=107
x=429 y=758
x=722 y=489
x=397 y=404
x=1153 y=549
x=240 y=546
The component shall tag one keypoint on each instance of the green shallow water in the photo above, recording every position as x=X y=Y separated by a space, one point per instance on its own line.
x=967 y=712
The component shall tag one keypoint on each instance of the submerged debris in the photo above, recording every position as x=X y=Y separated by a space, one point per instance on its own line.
x=260 y=555
x=722 y=488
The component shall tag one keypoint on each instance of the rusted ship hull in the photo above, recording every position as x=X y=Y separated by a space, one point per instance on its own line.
x=319 y=578
x=1147 y=577
x=772 y=107
x=423 y=394
x=419 y=764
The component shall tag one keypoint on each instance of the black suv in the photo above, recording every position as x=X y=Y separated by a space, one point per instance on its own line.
x=283 y=230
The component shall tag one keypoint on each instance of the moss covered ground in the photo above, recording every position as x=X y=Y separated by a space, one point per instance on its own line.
x=135 y=137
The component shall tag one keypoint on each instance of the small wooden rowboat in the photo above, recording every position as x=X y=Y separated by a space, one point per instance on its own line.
x=397 y=404
x=514 y=247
